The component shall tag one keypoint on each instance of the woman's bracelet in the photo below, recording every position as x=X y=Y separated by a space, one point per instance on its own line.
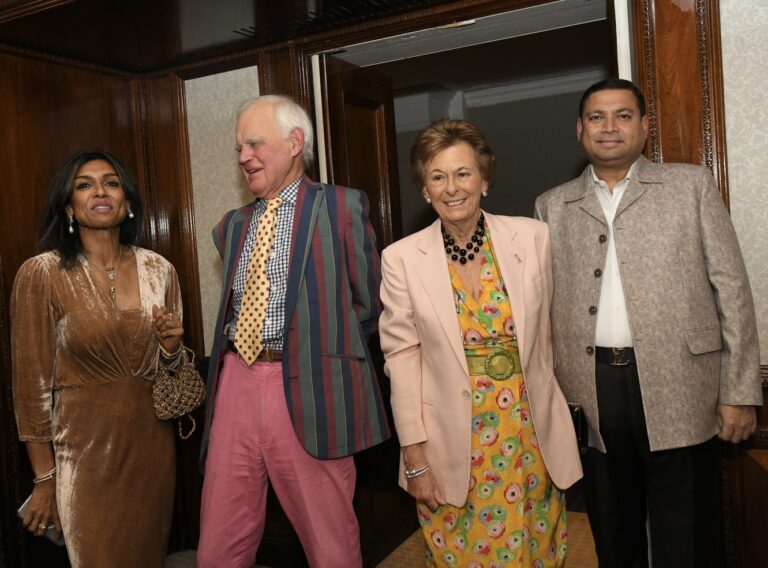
x=45 y=477
x=170 y=356
x=416 y=471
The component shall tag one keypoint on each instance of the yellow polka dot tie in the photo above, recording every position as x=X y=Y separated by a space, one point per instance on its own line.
x=253 y=308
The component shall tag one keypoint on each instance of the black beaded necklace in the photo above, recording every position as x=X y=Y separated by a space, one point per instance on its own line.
x=455 y=252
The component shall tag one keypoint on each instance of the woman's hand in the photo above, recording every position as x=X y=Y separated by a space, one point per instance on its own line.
x=42 y=503
x=425 y=489
x=168 y=328
x=42 y=509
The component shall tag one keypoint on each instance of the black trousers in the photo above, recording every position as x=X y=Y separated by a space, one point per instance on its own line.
x=678 y=490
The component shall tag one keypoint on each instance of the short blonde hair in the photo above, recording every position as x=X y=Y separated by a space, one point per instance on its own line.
x=443 y=134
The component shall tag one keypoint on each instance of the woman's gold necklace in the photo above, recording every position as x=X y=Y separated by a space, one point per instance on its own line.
x=112 y=274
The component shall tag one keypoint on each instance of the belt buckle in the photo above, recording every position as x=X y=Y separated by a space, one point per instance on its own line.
x=269 y=355
x=618 y=357
x=501 y=364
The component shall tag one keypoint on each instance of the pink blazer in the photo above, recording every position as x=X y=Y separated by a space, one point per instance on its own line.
x=423 y=348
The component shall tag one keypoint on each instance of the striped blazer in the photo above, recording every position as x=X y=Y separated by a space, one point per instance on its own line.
x=331 y=309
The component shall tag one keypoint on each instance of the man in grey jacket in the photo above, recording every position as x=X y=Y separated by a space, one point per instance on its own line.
x=655 y=336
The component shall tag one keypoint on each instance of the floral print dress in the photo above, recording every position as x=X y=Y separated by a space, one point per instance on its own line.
x=514 y=515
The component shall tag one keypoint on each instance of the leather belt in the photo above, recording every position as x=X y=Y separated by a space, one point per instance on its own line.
x=270 y=355
x=615 y=356
x=499 y=364
x=265 y=355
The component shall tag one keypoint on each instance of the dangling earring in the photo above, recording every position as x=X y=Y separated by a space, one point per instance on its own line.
x=428 y=200
x=71 y=229
x=130 y=213
x=484 y=193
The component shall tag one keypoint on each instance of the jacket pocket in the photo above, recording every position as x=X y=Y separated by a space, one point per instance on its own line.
x=343 y=356
x=704 y=340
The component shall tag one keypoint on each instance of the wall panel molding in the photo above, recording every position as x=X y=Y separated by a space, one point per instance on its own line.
x=760 y=437
x=14 y=9
x=62 y=60
x=162 y=149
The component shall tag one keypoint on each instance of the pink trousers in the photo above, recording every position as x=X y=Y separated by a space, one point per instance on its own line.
x=252 y=442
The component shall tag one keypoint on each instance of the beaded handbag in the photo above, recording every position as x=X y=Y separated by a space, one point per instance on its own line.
x=177 y=392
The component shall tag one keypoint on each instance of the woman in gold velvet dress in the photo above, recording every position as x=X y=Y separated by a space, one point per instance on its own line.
x=92 y=317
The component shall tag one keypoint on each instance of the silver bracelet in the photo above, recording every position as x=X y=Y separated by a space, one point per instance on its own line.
x=416 y=472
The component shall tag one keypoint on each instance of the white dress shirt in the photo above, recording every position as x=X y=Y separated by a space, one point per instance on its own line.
x=612 y=328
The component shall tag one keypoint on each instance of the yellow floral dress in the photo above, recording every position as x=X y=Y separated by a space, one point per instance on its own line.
x=514 y=515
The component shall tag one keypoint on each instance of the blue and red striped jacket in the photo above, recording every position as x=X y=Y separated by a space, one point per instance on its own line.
x=331 y=309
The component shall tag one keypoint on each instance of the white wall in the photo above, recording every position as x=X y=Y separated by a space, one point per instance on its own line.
x=217 y=184
x=744 y=34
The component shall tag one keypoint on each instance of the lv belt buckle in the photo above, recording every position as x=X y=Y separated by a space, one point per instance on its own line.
x=618 y=357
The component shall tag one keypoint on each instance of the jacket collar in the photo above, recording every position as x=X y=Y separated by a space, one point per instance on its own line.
x=582 y=191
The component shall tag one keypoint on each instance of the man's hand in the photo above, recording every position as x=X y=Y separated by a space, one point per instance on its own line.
x=737 y=423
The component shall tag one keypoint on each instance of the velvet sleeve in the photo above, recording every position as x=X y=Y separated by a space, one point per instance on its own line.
x=33 y=347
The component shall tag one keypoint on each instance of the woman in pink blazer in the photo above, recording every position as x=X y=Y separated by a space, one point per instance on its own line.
x=487 y=440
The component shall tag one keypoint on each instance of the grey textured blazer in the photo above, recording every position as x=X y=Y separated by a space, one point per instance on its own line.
x=688 y=298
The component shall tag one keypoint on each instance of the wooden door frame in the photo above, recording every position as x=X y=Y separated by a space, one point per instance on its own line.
x=679 y=67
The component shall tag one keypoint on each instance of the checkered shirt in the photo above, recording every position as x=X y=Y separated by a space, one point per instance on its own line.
x=277 y=267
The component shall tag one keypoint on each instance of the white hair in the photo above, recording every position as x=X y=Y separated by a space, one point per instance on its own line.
x=288 y=115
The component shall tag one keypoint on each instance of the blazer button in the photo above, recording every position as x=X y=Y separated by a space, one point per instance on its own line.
x=590 y=350
x=465 y=394
x=598 y=273
x=592 y=310
x=602 y=238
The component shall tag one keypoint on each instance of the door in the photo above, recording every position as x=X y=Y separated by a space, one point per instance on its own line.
x=360 y=139
x=359 y=136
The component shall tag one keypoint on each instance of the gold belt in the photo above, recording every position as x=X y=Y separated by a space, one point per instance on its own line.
x=499 y=364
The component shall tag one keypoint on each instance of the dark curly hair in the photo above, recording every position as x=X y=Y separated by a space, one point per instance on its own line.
x=53 y=233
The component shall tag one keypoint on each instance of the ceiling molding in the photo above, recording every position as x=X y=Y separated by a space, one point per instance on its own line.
x=524 y=21
x=541 y=87
x=413 y=111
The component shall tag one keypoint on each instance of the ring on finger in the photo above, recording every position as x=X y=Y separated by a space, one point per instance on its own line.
x=42 y=526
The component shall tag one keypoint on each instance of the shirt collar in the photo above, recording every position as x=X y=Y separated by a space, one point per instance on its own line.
x=598 y=183
x=289 y=194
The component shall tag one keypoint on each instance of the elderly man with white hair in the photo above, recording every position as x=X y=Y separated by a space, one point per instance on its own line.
x=292 y=390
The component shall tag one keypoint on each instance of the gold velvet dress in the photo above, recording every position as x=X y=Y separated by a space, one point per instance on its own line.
x=82 y=377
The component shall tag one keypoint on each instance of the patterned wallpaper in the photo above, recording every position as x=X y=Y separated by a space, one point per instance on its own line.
x=217 y=183
x=744 y=34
